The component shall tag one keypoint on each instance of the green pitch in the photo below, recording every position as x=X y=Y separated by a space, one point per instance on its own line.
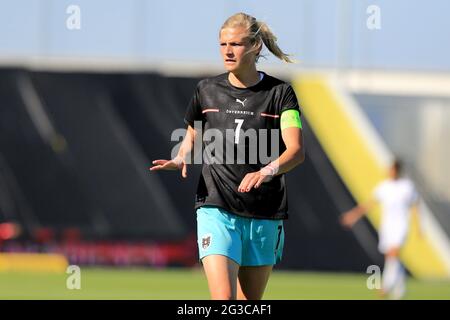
x=114 y=283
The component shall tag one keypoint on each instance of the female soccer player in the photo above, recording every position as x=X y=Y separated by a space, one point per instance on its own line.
x=397 y=195
x=241 y=205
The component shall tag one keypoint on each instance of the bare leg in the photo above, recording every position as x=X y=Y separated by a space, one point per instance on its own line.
x=252 y=282
x=221 y=273
x=392 y=273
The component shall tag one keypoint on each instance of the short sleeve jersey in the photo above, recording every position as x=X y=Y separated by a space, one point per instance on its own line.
x=247 y=119
x=396 y=197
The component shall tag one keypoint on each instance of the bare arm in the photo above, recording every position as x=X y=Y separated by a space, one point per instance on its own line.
x=289 y=159
x=349 y=218
x=295 y=151
x=179 y=162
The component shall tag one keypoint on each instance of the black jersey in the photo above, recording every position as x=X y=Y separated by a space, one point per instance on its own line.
x=221 y=106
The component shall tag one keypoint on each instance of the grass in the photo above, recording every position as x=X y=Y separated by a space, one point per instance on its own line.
x=189 y=284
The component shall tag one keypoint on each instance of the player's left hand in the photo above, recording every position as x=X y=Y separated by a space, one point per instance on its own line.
x=253 y=180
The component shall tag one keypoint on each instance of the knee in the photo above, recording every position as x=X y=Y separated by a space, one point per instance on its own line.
x=249 y=296
x=393 y=253
x=223 y=295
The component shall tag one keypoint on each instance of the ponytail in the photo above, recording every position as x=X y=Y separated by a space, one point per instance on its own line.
x=270 y=41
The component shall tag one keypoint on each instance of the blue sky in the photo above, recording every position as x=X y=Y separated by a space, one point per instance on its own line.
x=414 y=34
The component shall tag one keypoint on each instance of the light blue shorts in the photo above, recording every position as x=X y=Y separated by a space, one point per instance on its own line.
x=249 y=242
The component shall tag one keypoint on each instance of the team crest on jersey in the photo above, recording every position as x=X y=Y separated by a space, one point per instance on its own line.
x=206 y=241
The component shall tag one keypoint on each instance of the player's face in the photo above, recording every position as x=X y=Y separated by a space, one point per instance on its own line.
x=236 y=49
x=393 y=172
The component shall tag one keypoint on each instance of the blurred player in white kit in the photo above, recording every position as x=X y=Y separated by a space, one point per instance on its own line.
x=397 y=196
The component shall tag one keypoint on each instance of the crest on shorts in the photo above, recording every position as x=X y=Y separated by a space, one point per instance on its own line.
x=206 y=241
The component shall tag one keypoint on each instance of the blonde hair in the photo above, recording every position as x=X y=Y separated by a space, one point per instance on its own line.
x=258 y=33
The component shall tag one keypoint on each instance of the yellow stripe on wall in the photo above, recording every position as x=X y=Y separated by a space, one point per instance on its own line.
x=357 y=165
x=32 y=262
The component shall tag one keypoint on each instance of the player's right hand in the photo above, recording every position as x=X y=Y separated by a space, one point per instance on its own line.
x=348 y=219
x=174 y=164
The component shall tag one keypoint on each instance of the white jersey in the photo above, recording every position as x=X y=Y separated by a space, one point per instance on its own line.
x=396 y=197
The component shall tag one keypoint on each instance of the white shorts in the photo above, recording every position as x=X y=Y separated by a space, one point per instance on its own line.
x=391 y=237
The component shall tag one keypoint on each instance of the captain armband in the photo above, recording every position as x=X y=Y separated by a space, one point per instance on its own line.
x=290 y=119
